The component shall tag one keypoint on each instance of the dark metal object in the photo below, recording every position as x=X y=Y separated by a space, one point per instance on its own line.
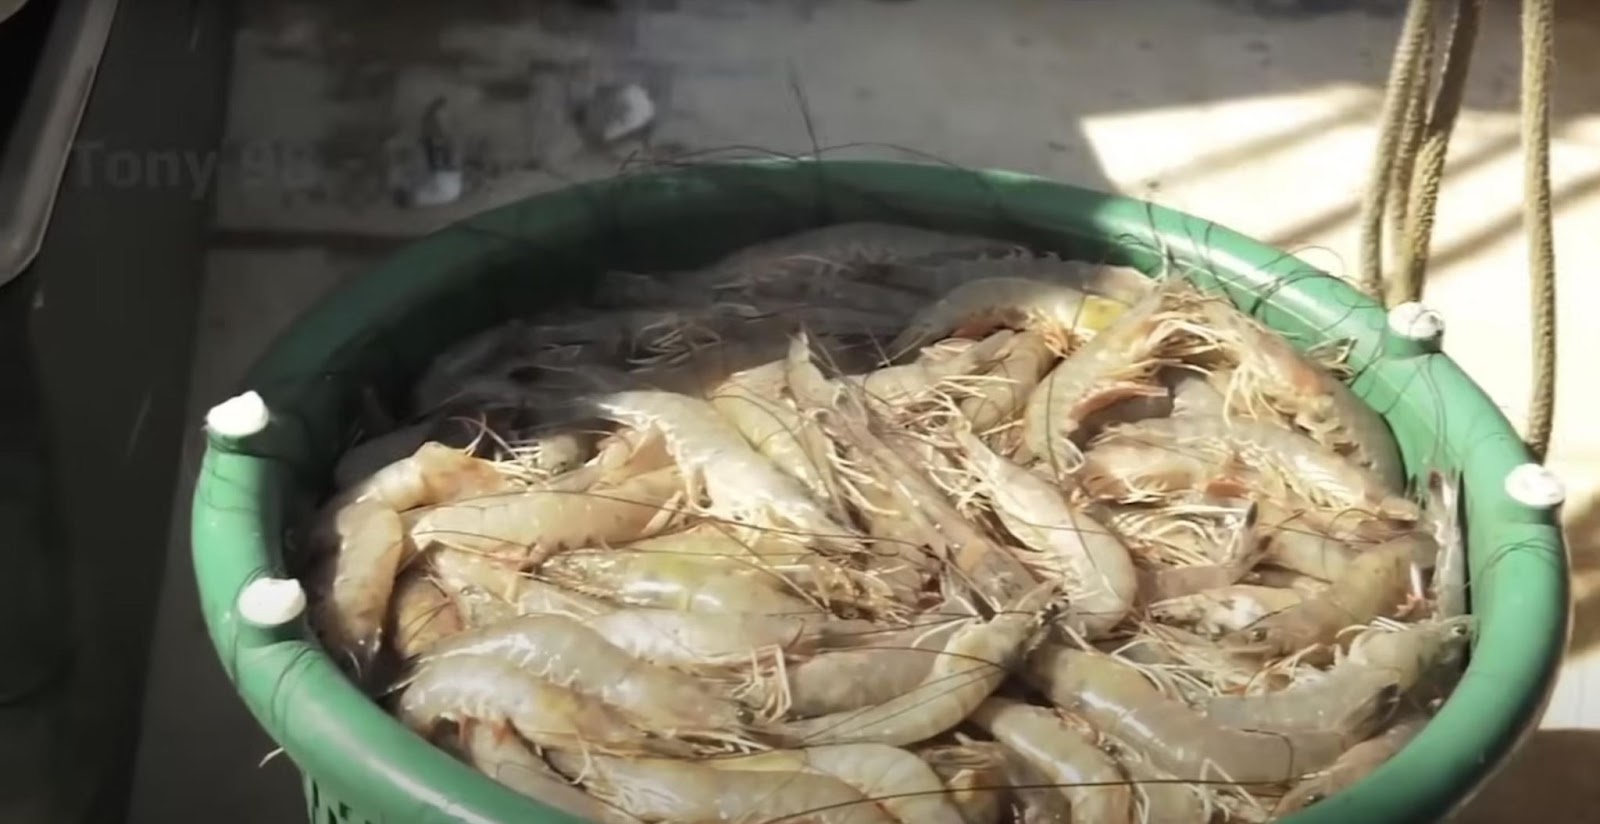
x=38 y=144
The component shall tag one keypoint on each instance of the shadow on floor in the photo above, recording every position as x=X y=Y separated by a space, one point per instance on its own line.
x=1549 y=779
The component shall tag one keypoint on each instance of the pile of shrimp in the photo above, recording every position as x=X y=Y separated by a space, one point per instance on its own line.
x=878 y=524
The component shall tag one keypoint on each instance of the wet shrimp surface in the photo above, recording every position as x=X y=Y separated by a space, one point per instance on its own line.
x=877 y=524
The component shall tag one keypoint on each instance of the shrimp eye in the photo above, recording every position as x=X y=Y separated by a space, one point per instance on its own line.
x=1317 y=797
x=1458 y=631
x=1257 y=635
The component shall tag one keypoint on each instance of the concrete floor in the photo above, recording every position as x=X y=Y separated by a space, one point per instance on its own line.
x=1262 y=123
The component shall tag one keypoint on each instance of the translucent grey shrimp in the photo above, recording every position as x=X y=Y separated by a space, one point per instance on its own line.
x=741 y=483
x=1118 y=702
x=1288 y=461
x=1005 y=387
x=1442 y=513
x=1060 y=312
x=1374 y=585
x=1359 y=692
x=1091 y=561
x=1271 y=370
x=894 y=779
x=509 y=761
x=1355 y=764
x=1093 y=784
x=480 y=689
x=532 y=525
x=973 y=663
x=666 y=790
x=834 y=681
x=893 y=386
x=692 y=641
x=752 y=400
x=1115 y=365
x=974 y=775
x=1225 y=609
x=567 y=653
x=994 y=573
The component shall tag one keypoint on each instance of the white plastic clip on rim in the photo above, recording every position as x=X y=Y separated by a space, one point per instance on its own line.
x=1415 y=321
x=239 y=416
x=1535 y=486
x=272 y=602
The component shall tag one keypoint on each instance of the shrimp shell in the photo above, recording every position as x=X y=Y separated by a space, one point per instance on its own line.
x=1092 y=561
x=1116 y=365
x=508 y=761
x=742 y=484
x=1059 y=311
x=1357 y=692
x=752 y=401
x=1355 y=764
x=1003 y=393
x=665 y=790
x=687 y=640
x=532 y=525
x=837 y=681
x=1091 y=781
x=565 y=652
x=1225 y=609
x=1118 y=702
x=975 y=660
x=1374 y=585
x=495 y=692
x=896 y=780
x=422 y=615
x=975 y=778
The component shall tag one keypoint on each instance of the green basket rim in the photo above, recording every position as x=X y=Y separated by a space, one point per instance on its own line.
x=361 y=756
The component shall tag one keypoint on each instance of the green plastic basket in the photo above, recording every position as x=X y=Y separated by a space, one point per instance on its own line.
x=378 y=332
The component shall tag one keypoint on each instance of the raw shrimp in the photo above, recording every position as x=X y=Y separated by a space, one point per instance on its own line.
x=837 y=681
x=508 y=761
x=665 y=790
x=686 y=582
x=1119 y=283
x=994 y=573
x=975 y=778
x=1158 y=797
x=1290 y=462
x=1357 y=692
x=565 y=652
x=741 y=484
x=895 y=386
x=693 y=641
x=896 y=780
x=469 y=688
x=1225 y=609
x=1004 y=389
x=1116 y=365
x=1374 y=585
x=1118 y=702
x=752 y=401
x=1442 y=514
x=1059 y=312
x=530 y=526
x=422 y=616
x=1301 y=541
x=350 y=613
x=1355 y=764
x=1269 y=369
x=1091 y=561
x=1090 y=780
x=972 y=665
